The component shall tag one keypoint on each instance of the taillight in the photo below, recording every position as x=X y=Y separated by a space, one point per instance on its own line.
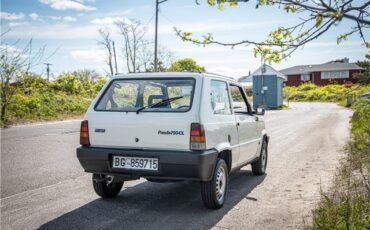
x=197 y=137
x=84 y=133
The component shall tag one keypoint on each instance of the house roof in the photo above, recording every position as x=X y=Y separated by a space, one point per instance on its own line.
x=330 y=66
x=268 y=71
x=246 y=79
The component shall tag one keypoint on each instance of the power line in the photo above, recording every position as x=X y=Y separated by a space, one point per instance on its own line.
x=150 y=19
x=167 y=18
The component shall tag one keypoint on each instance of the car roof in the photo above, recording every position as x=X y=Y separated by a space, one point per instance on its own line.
x=176 y=75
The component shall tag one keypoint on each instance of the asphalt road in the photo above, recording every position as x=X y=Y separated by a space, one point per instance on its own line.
x=43 y=185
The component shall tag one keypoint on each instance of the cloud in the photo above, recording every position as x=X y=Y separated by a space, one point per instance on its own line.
x=11 y=16
x=55 y=31
x=67 y=5
x=54 y=18
x=34 y=16
x=9 y=48
x=69 y=19
x=107 y=21
x=15 y=24
x=89 y=55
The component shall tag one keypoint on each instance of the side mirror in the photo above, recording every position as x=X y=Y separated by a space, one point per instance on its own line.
x=260 y=111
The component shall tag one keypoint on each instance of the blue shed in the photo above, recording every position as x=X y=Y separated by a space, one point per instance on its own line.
x=268 y=87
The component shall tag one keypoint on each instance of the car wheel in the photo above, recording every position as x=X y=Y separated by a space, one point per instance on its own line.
x=105 y=187
x=214 y=191
x=259 y=166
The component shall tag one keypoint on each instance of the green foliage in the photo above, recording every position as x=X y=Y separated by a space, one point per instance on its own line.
x=329 y=93
x=347 y=204
x=364 y=77
x=46 y=106
x=69 y=95
x=186 y=65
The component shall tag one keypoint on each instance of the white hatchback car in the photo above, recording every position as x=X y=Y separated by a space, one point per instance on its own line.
x=171 y=127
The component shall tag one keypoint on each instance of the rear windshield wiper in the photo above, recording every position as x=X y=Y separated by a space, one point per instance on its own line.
x=159 y=103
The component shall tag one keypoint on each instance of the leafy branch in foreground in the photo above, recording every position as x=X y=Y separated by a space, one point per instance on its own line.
x=320 y=16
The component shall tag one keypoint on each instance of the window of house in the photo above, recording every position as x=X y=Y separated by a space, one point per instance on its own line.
x=335 y=74
x=220 y=100
x=305 y=77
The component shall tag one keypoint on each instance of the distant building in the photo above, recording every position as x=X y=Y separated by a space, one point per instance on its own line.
x=246 y=81
x=339 y=71
x=268 y=86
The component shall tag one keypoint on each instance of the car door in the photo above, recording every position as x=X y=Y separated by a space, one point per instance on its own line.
x=247 y=125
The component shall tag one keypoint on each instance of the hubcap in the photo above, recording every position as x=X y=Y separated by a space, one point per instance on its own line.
x=220 y=184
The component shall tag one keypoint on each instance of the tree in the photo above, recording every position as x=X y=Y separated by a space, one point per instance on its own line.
x=186 y=65
x=133 y=37
x=317 y=17
x=364 y=77
x=14 y=63
x=106 y=43
x=165 y=59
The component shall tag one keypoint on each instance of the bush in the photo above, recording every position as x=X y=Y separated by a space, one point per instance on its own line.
x=36 y=99
x=46 y=106
x=328 y=93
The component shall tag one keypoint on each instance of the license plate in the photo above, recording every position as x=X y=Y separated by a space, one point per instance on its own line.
x=135 y=163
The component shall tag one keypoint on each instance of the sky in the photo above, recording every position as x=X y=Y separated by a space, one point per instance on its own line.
x=70 y=27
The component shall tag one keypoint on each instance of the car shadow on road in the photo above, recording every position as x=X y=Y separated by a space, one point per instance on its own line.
x=157 y=206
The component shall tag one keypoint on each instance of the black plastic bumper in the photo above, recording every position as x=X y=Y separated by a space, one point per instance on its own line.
x=173 y=165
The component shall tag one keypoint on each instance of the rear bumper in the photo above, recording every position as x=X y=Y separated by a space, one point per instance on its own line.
x=173 y=165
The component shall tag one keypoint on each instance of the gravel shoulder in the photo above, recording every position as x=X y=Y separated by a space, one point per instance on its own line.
x=42 y=184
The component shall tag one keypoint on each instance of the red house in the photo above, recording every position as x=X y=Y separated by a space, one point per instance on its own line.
x=339 y=71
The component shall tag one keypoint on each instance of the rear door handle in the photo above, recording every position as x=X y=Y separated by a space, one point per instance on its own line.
x=237 y=124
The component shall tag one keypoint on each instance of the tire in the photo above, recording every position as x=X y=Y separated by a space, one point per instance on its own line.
x=259 y=166
x=104 y=188
x=214 y=191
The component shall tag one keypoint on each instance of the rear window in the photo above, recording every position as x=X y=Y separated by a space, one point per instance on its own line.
x=129 y=95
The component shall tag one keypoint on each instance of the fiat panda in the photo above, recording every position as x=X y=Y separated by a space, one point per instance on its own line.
x=171 y=127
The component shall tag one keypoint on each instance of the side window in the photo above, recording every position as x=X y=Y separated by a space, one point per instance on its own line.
x=239 y=104
x=220 y=100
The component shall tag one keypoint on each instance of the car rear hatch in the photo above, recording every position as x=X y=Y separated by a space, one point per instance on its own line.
x=161 y=124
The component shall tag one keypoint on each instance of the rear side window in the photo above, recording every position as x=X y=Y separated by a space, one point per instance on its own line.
x=127 y=95
x=220 y=100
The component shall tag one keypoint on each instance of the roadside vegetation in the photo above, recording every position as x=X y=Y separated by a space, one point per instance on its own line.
x=347 y=204
x=36 y=99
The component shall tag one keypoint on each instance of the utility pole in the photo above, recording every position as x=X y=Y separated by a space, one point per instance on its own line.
x=157 y=2
x=115 y=58
x=48 y=70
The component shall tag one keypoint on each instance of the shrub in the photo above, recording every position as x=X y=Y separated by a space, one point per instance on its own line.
x=328 y=93
x=36 y=99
